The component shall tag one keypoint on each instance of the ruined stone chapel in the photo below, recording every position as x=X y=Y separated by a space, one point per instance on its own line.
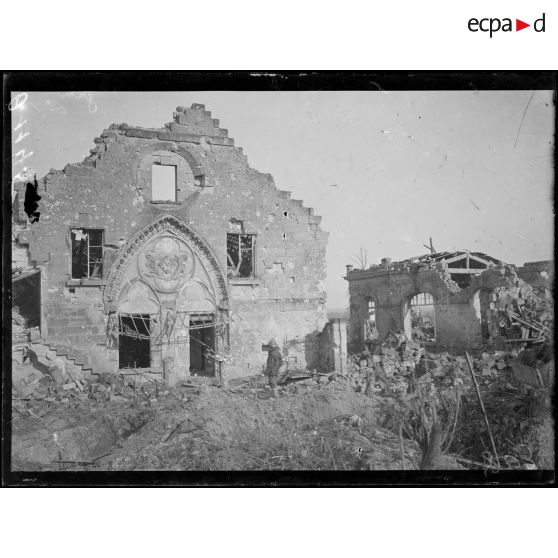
x=164 y=249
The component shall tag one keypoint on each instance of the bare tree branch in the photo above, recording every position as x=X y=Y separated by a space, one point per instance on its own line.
x=361 y=261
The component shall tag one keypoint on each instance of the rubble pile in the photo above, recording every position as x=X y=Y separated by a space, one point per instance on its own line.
x=391 y=370
x=523 y=311
x=420 y=388
x=401 y=369
x=36 y=393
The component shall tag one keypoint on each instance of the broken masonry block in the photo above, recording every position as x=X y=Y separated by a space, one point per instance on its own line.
x=140 y=133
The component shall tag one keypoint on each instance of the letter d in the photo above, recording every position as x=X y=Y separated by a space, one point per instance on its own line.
x=535 y=25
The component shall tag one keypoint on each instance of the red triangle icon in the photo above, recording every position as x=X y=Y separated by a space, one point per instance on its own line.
x=519 y=25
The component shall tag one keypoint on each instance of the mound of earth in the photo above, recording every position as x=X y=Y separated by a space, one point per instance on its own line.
x=206 y=427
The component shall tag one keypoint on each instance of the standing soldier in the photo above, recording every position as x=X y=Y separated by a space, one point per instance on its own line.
x=273 y=367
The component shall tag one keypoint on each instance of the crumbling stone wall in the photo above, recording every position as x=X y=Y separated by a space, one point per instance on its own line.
x=456 y=320
x=28 y=287
x=110 y=190
x=20 y=250
x=333 y=347
x=464 y=317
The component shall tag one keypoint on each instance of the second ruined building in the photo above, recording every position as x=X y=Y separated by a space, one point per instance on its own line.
x=458 y=299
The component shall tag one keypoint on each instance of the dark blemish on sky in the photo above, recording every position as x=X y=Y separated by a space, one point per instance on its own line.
x=31 y=198
x=473 y=203
x=523 y=117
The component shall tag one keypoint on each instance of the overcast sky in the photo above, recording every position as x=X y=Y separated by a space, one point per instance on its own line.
x=386 y=170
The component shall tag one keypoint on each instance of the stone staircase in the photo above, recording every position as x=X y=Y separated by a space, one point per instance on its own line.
x=75 y=364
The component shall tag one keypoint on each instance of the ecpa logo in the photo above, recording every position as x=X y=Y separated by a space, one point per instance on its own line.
x=494 y=24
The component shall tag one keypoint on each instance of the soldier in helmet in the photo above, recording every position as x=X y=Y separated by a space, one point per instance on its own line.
x=274 y=364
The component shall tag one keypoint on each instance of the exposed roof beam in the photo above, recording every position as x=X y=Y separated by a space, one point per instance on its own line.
x=464 y=271
x=455 y=258
x=476 y=258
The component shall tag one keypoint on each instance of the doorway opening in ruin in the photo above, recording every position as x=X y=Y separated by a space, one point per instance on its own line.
x=134 y=341
x=420 y=317
x=481 y=305
x=26 y=297
x=202 y=345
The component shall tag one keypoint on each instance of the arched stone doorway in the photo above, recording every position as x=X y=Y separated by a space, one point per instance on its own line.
x=166 y=296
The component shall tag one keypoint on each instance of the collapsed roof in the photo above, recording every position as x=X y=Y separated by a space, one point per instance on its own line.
x=461 y=265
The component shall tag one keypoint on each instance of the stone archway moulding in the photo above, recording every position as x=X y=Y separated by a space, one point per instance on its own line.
x=172 y=147
x=167 y=224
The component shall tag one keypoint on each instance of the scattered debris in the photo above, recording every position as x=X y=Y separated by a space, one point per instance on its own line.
x=399 y=406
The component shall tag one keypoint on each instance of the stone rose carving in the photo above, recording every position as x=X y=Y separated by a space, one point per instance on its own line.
x=166 y=263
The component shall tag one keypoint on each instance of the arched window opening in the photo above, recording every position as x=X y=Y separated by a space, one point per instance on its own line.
x=370 y=329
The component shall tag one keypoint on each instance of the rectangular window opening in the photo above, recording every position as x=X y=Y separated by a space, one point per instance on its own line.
x=87 y=253
x=240 y=255
x=134 y=341
x=163 y=182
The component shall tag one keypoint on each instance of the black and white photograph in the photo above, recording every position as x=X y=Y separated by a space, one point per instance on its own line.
x=284 y=278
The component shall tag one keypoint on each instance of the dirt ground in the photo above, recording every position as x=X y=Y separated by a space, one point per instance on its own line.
x=322 y=422
x=203 y=426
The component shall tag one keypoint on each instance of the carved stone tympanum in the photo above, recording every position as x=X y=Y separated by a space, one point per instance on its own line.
x=166 y=263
